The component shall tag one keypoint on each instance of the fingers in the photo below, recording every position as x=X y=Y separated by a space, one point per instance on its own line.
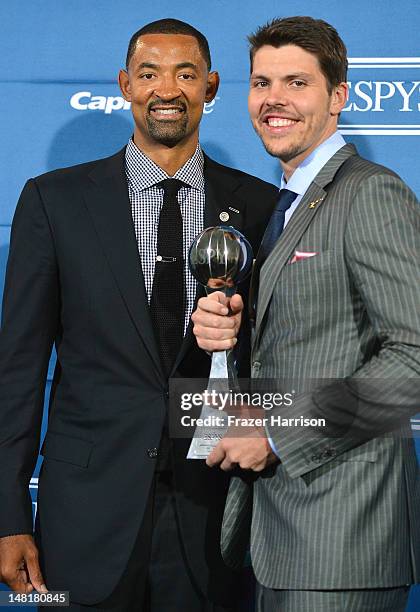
x=17 y=580
x=213 y=346
x=19 y=565
x=247 y=453
x=16 y=577
x=227 y=465
x=256 y=467
x=214 y=330
x=216 y=303
x=34 y=572
x=217 y=455
x=220 y=455
x=236 y=303
x=214 y=338
x=209 y=321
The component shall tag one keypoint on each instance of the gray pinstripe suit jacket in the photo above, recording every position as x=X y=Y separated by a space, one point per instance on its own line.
x=337 y=513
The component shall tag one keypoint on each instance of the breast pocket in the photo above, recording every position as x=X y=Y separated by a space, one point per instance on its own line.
x=313 y=280
x=311 y=295
x=320 y=261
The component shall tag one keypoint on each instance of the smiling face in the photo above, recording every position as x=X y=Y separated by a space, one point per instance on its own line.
x=289 y=103
x=167 y=83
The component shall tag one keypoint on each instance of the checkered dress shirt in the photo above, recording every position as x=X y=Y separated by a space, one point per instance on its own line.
x=147 y=201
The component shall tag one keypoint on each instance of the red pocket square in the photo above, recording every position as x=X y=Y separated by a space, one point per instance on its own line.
x=299 y=255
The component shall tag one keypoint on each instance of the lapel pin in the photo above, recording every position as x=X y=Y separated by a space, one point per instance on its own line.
x=315 y=202
x=224 y=216
x=235 y=210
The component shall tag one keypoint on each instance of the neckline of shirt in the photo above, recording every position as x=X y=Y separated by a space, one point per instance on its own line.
x=305 y=173
x=143 y=173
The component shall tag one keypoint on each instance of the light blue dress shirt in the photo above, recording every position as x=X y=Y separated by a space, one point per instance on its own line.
x=305 y=173
x=303 y=176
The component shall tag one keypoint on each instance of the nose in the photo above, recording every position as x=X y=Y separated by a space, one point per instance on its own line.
x=167 y=88
x=277 y=95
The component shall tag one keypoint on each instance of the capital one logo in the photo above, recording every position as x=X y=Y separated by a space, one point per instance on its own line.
x=384 y=97
x=86 y=100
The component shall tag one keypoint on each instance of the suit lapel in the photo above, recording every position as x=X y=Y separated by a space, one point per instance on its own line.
x=109 y=206
x=222 y=206
x=300 y=220
x=220 y=187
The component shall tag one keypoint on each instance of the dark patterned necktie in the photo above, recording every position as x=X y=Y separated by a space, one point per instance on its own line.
x=276 y=224
x=167 y=304
x=272 y=233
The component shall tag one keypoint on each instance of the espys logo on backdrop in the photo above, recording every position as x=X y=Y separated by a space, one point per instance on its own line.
x=85 y=100
x=385 y=106
x=384 y=98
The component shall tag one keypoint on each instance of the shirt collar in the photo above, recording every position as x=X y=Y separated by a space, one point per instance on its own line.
x=142 y=172
x=305 y=173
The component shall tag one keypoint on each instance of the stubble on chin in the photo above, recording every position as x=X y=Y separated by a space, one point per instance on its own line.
x=268 y=146
x=167 y=133
x=284 y=155
x=276 y=149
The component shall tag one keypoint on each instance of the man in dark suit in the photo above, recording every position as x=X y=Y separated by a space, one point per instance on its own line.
x=332 y=519
x=97 y=266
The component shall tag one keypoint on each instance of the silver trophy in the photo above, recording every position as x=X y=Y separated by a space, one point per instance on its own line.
x=219 y=258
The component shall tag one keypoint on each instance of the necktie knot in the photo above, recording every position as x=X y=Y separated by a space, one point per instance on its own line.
x=171 y=187
x=286 y=198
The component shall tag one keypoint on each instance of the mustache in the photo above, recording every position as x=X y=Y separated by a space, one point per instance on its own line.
x=275 y=110
x=168 y=103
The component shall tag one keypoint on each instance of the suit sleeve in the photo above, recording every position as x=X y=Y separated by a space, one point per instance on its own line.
x=28 y=328
x=382 y=250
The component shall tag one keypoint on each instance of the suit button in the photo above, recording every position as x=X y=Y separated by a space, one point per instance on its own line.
x=152 y=453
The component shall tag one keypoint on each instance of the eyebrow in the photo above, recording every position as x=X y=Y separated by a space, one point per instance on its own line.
x=287 y=77
x=187 y=65
x=156 y=66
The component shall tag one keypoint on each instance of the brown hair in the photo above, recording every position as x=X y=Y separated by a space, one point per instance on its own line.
x=313 y=35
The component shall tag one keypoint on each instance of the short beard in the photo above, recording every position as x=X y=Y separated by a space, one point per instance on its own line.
x=167 y=133
x=284 y=156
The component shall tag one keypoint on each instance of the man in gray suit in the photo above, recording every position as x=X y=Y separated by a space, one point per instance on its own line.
x=332 y=509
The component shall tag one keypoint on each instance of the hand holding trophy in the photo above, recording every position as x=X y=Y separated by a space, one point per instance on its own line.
x=219 y=258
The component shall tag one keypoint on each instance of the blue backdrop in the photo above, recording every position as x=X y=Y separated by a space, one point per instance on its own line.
x=61 y=104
